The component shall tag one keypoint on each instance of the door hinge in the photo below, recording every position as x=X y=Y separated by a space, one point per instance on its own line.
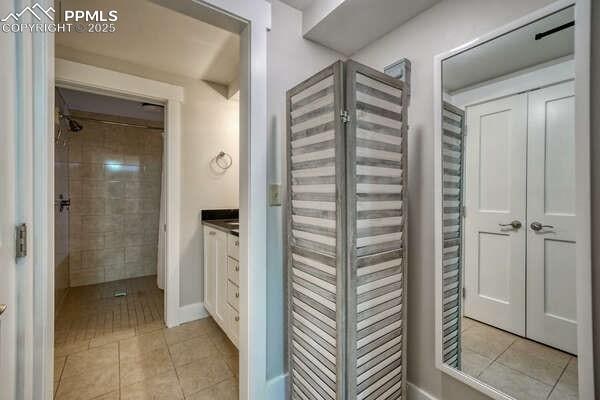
x=464 y=211
x=21 y=243
x=464 y=292
x=165 y=227
x=345 y=116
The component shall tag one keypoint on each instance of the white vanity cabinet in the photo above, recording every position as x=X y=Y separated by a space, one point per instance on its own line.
x=221 y=280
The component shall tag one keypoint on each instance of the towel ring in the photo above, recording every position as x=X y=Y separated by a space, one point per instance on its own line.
x=223 y=160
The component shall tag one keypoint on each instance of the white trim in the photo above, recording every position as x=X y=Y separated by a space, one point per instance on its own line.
x=416 y=393
x=583 y=257
x=192 y=312
x=82 y=76
x=585 y=333
x=94 y=79
x=277 y=388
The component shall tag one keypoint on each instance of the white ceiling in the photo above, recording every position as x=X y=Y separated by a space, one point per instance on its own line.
x=159 y=38
x=75 y=100
x=512 y=52
x=353 y=24
x=299 y=4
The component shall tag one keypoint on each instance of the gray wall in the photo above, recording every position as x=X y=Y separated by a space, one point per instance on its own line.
x=595 y=150
x=291 y=59
x=441 y=28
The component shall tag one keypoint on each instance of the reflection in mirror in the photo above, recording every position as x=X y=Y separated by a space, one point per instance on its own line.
x=508 y=192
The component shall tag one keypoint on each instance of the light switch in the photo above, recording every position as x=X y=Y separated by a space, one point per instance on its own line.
x=275 y=194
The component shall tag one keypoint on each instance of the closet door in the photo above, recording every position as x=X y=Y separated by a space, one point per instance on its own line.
x=376 y=214
x=316 y=237
x=551 y=305
x=495 y=213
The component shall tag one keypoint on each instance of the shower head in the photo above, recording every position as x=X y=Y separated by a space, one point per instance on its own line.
x=74 y=126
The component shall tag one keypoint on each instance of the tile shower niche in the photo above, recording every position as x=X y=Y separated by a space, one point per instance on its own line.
x=346 y=244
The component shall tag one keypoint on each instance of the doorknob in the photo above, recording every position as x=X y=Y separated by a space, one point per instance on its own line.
x=3 y=308
x=514 y=224
x=537 y=226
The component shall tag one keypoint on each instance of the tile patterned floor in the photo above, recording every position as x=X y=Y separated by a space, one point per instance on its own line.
x=117 y=348
x=522 y=368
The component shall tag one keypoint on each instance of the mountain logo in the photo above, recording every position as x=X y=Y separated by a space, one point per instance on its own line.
x=36 y=10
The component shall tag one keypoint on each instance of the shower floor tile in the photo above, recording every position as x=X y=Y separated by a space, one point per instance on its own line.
x=117 y=348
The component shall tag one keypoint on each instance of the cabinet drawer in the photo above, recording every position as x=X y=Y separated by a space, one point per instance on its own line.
x=233 y=295
x=234 y=326
x=233 y=247
x=233 y=270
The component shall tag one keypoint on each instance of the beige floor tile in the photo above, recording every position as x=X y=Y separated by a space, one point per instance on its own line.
x=202 y=374
x=150 y=327
x=185 y=332
x=98 y=358
x=59 y=364
x=145 y=366
x=193 y=349
x=89 y=384
x=567 y=387
x=142 y=344
x=112 y=337
x=162 y=387
x=226 y=390
x=514 y=383
x=109 y=396
x=224 y=345
x=64 y=349
x=233 y=362
x=535 y=360
x=466 y=323
x=487 y=341
x=473 y=363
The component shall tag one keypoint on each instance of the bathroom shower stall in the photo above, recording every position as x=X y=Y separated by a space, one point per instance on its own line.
x=108 y=195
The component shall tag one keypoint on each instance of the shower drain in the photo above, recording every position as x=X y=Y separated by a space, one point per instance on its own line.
x=120 y=293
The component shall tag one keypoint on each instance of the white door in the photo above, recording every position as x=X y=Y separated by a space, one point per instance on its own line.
x=551 y=300
x=495 y=190
x=7 y=214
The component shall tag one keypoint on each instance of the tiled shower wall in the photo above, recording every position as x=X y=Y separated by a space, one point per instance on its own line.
x=115 y=190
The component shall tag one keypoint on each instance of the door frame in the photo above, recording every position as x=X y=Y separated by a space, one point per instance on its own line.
x=87 y=78
x=585 y=344
x=250 y=19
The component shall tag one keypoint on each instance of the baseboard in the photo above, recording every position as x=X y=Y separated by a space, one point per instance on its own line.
x=276 y=387
x=416 y=393
x=191 y=312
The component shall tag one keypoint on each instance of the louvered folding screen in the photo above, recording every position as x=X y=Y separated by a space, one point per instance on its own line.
x=347 y=235
x=452 y=164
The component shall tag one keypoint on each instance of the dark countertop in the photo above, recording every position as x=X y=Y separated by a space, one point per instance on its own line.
x=223 y=220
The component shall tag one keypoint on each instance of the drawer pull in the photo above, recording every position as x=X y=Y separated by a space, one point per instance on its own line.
x=237 y=242
x=237 y=268
x=237 y=295
x=212 y=233
x=237 y=318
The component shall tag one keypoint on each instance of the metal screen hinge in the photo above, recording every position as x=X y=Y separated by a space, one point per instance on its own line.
x=21 y=243
x=345 y=116
x=464 y=292
x=464 y=211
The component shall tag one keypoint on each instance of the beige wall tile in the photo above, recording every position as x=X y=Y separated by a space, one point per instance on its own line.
x=115 y=181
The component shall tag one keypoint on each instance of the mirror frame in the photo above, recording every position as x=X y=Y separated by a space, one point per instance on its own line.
x=583 y=190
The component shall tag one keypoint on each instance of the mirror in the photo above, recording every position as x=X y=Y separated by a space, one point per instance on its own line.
x=506 y=199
